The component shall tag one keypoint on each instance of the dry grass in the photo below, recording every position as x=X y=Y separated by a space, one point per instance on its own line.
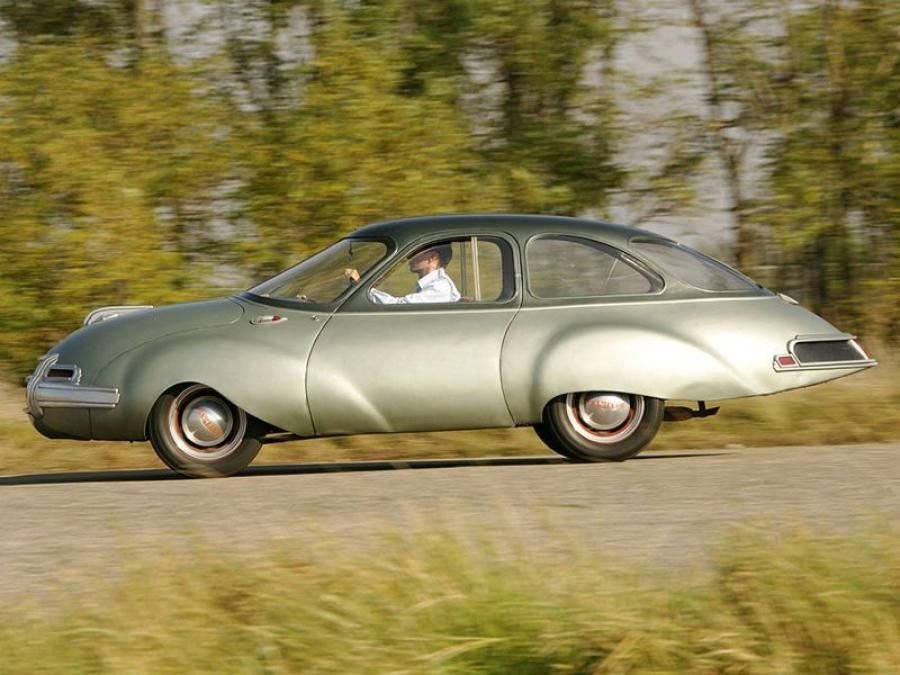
x=861 y=408
x=775 y=602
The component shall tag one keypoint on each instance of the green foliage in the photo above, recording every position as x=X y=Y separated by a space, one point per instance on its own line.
x=105 y=175
x=437 y=602
x=131 y=173
x=553 y=130
x=832 y=204
x=31 y=19
x=362 y=151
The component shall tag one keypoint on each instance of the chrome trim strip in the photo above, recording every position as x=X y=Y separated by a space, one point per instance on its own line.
x=62 y=395
x=825 y=365
x=36 y=378
x=828 y=337
x=105 y=313
x=268 y=320
x=41 y=393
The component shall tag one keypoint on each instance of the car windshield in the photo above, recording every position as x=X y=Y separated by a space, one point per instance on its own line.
x=694 y=268
x=320 y=278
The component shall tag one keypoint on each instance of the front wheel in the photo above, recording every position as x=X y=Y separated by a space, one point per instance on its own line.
x=600 y=426
x=199 y=433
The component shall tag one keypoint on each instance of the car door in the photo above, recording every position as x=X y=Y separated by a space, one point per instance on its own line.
x=414 y=365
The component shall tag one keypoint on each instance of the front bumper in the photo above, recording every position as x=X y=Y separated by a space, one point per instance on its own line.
x=44 y=391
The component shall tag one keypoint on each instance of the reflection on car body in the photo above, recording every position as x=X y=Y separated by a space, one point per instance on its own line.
x=579 y=329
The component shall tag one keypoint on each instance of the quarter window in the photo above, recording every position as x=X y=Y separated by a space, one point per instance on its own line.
x=692 y=267
x=571 y=267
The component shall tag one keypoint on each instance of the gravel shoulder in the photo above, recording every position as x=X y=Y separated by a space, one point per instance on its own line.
x=663 y=508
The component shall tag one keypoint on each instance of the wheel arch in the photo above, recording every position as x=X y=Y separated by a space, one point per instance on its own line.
x=180 y=386
x=624 y=360
x=263 y=380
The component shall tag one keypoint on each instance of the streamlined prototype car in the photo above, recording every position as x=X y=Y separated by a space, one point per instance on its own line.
x=579 y=329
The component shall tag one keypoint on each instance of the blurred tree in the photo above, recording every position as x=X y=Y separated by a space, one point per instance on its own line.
x=800 y=108
x=532 y=80
x=31 y=19
x=105 y=176
x=546 y=113
x=124 y=26
x=357 y=149
x=835 y=163
x=734 y=84
x=307 y=118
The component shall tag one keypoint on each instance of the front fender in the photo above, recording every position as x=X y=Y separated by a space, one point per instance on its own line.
x=262 y=371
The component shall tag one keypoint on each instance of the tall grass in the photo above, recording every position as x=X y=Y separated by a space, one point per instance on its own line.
x=773 y=603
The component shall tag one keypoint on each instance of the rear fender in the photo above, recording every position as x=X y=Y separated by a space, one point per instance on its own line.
x=686 y=350
x=631 y=360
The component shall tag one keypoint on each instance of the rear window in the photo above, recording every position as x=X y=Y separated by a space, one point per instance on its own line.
x=692 y=267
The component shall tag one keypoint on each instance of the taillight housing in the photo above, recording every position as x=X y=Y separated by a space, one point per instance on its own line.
x=823 y=352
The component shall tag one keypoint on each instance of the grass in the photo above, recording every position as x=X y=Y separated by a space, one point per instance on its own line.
x=788 y=602
x=858 y=409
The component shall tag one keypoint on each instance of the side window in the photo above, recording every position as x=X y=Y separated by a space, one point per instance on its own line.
x=458 y=270
x=571 y=267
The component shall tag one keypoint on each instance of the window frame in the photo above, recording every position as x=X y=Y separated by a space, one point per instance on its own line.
x=753 y=287
x=344 y=296
x=361 y=302
x=657 y=281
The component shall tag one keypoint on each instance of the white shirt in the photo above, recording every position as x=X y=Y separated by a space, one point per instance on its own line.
x=435 y=286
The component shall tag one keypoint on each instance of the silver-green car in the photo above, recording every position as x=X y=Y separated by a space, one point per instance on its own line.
x=579 y=329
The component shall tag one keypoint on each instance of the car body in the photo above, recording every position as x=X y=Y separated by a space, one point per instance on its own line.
x=578 y=328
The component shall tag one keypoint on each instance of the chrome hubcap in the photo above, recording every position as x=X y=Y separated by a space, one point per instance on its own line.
x=603 y=417
x=603 y=412
x=206 y=421
x=204 y=425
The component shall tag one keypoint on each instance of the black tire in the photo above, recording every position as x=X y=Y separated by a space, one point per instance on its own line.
x=626 y=424
x=231 y=442
x=543 y=432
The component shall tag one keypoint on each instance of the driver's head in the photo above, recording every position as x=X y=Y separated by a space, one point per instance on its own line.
x=430 y=259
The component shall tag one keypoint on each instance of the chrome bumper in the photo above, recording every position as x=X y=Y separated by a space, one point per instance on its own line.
x=42 y=392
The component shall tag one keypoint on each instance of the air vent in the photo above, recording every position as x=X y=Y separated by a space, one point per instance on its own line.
x=65 y=373
x=833 y=351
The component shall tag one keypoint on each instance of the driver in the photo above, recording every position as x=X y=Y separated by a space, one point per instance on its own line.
x=433 y=285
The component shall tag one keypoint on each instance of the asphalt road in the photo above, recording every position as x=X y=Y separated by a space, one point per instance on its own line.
x=665 y=508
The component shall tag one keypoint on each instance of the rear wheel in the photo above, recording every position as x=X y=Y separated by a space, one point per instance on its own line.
x=600 y=426
x=199 y=433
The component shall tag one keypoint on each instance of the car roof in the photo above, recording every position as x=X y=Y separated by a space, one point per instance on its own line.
x=520 y=226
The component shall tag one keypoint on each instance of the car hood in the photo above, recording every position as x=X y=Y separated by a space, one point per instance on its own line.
x=91 y=347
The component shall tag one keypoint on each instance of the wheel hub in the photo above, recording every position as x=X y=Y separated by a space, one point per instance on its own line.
x=604 y=417
x=603 y=412
x=206 y=421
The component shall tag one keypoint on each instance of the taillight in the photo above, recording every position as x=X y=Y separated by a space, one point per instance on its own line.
x=786 y=361
x=818 y=352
